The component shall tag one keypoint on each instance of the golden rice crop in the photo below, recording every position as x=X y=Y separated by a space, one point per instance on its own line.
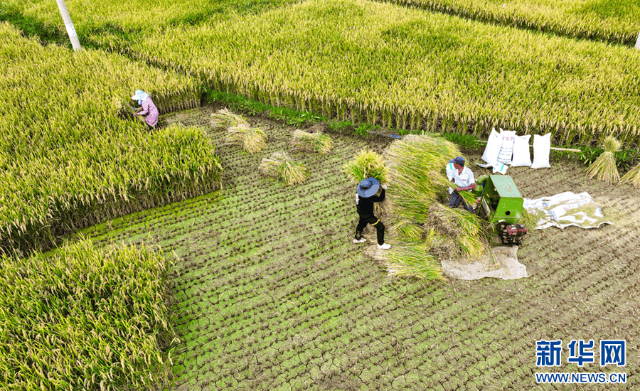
x=632 y=177
x=86 y=318
x=414 y=261
x=251 y=139
x=595 y=20
x=280 y=165
x=604 y=167
x=367 y=164
x=224 y=119
x=106 y=30
x=452 y=76
x=311 y=142
x=68 y=160
x=417 y=170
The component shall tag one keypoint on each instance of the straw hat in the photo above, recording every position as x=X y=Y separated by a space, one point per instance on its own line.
x=368 y=187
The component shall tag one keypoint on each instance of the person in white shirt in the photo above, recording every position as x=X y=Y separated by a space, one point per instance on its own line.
x=464 y=180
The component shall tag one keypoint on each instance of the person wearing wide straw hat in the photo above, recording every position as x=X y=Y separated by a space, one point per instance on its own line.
x=365 y=197
x=148 y=108
x=464 y=180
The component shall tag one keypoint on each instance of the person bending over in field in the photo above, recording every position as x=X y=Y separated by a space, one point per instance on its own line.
x=464 y=180
x=365 y=197
x=148 y=108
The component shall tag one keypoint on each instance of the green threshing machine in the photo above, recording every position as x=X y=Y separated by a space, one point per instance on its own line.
x=502 y=205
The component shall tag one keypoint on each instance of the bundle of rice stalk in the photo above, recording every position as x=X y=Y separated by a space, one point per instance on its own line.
x=604 y=168
x=632 y=177
x=252 y=139
x=466 y=230
x=407 y=231
x=417 y=170
x=311 y=142
x=414 y=261
x=280 y=165
x=366 y=164
x=224 y=119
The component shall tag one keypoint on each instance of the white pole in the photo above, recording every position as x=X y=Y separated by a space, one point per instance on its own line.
x=638 y=42
x=69 y=25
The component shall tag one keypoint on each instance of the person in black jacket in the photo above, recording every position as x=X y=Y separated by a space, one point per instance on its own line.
x=365 y=197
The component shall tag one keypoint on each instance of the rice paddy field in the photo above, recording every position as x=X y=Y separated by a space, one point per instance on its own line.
x=272 y=293
x=225 y=278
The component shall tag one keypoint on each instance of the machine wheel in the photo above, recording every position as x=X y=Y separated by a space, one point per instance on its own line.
x=501 y=228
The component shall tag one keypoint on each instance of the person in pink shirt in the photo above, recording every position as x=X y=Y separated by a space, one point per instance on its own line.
x=148 y=108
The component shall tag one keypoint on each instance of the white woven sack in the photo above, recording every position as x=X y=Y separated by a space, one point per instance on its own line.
x=492 y=150
x=541 y=150
x=506 y=148
x=521 y=153
x=500 y=168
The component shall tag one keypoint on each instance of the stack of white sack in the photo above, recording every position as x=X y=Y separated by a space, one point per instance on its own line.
x=506 y=148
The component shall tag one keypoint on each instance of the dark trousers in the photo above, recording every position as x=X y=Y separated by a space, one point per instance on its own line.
x=455 y=201
x=362 y=223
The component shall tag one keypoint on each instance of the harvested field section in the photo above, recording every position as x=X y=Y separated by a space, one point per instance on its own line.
x=272 y=293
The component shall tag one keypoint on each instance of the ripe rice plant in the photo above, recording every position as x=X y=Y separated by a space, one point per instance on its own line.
x=224 y=119
x=342 y=61
x=416 y=168
x=68 y=161
x=464 y=229
x=611 y=21
x=632 y=177
x=113 y=26
x=280 y=165
x=252 y=140
x=367 y=164
x=311 y=142
x=604 y=168
x=414 y=261
x=86 y=318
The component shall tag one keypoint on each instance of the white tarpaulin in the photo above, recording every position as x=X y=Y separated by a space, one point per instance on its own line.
x=565 y=210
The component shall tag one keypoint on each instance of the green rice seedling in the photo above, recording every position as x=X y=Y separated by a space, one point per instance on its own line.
x=604 y=168
x=366 y=164
x=280 y=165
x=252 y=139
x=311 y=142
x=632 y=177
x=224 y=119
